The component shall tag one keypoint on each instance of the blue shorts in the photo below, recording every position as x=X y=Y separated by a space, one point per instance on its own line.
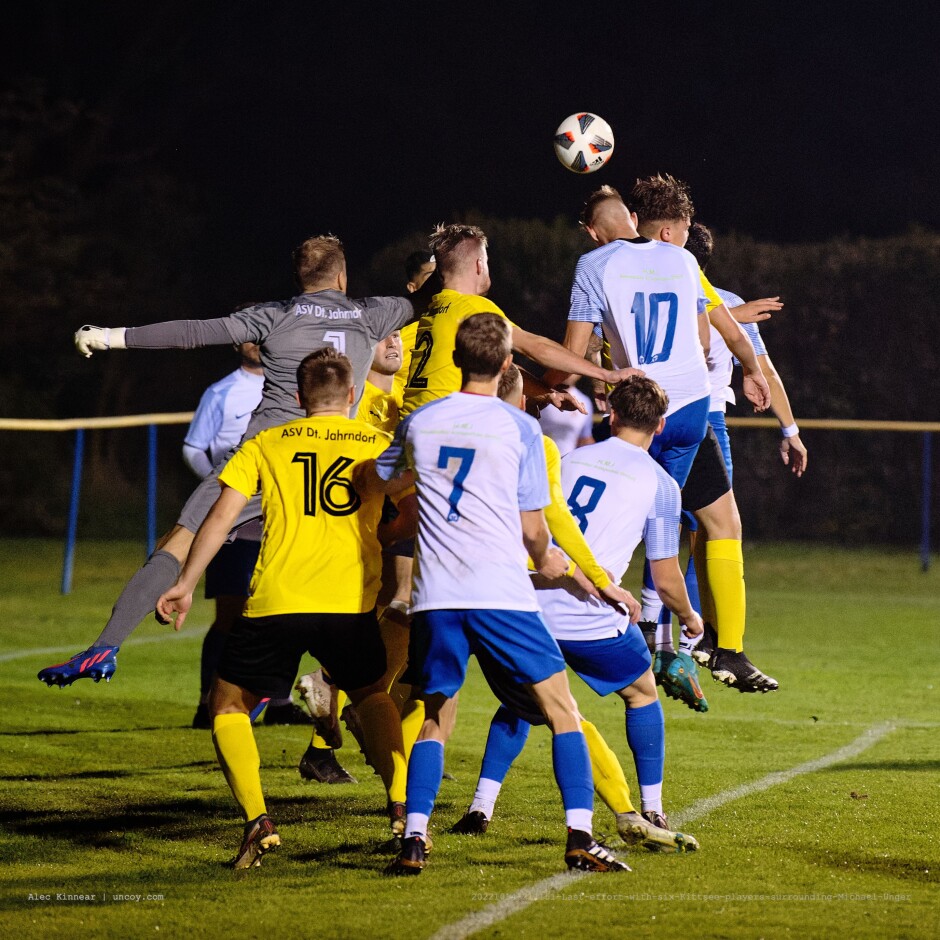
x=674 y=449
x=717 y=420
x=443 y=640
x=611 y=664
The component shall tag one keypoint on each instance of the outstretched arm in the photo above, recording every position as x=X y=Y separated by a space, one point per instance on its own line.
x=566 y=363
x=755 y=385
x=755 y=311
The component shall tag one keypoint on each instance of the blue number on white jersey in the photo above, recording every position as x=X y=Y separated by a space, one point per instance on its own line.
x=581 y=510
x=646 y=329
x=465 y=456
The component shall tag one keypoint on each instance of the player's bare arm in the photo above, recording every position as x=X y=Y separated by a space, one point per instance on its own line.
x=613 y=594
x=670 y=585
x=212 y=533
x=755 y=385
x=563 y=361
x=754 y=311
x=541 y=394
x=367 y=482
x=548 y=561
x=792 y=450
x=704 y=333
x=566 y=372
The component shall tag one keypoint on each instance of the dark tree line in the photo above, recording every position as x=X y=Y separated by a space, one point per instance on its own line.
x=92 y=231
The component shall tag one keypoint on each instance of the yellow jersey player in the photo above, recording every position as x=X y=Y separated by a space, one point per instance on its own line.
x=314 y=587
x=460 y=252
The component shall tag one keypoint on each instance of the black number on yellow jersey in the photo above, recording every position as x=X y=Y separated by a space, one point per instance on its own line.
x=419 y=359
x=333 y=492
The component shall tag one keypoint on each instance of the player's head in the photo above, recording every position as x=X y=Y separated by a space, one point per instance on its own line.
x=663 y=208
x=419 y=266
x=638 y=404
x=460 y=253
x=605 y=217
x=509 y=389
x=388 y=355
x=701 y=244
x=320 y=264
x=483 y=347
x=325 y=381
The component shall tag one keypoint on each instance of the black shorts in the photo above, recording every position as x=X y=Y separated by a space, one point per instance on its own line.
x=262 y=654
x=708 y=478
x=229 y=573
x=517 y=698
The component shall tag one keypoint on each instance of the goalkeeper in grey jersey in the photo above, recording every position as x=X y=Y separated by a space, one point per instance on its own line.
x=286 y=332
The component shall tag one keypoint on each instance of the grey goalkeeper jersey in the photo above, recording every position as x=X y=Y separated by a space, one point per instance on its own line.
x=286 y=333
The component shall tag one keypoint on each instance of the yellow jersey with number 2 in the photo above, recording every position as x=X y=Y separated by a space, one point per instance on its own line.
x=433 y=373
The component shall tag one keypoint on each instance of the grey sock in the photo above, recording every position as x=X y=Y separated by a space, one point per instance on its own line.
x=139 y=597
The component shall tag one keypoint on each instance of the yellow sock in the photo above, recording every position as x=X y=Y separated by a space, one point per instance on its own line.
x=609 y=781
x=381 y=729
x=724 y=562
x=238 y=756
x=701 y=575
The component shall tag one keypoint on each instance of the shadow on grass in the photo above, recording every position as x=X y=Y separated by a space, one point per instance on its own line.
x=907 y=869
x=175 y=819
x=106 y=774
x=49 y=732
x=918 y=765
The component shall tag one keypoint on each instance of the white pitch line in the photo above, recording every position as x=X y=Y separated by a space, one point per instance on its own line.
x=521 y=899
x=862 y=743
x=56 y=650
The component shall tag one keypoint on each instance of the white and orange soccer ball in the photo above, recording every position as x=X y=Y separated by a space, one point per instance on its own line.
x=584 y=142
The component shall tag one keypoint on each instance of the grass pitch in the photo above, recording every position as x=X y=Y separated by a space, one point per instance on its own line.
x=105 y=791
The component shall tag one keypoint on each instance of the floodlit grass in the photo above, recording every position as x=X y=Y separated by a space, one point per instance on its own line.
x=105 y=790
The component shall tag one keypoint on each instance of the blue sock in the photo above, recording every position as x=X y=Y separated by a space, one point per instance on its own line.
x=572 y=767
x=691 y=585
x=646 y=735
x=507 y=737
x=425 y=772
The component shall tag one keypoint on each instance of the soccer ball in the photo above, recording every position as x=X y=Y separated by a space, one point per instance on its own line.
x=584 y=142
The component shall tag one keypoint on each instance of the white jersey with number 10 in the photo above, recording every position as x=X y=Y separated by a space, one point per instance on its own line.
x=647 y=296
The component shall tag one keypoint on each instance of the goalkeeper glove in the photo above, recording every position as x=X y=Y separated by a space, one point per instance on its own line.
x=90 y=339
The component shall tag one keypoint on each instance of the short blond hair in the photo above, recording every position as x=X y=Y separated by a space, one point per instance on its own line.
x=318 y=259
x=594 y=201
x=452 y=245
x=324 y=376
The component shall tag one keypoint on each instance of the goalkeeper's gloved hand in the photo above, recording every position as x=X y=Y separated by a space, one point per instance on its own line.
x=90 y=339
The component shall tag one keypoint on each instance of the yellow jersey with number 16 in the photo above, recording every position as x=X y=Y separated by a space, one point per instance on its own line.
x=320 y=552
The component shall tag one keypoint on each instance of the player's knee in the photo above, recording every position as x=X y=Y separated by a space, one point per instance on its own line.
x=640 y=693
x=721 y=518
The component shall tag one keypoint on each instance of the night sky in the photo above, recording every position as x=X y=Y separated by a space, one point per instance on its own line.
x=790 y=121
